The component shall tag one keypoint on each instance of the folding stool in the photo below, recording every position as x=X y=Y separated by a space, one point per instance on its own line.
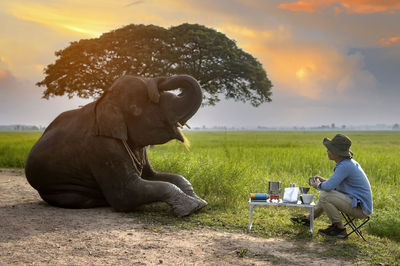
x=354 y=227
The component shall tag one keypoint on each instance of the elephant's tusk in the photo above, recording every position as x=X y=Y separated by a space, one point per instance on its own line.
x=179 y=125
x=187 y=126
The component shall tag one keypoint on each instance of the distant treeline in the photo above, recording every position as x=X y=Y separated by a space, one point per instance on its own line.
x=21 y=128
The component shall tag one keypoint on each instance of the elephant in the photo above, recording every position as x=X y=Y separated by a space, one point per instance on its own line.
x=96 y=155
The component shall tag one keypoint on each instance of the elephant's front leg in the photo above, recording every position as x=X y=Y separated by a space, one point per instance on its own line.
x=147 y=191
x=178 y=180
x=127 y=192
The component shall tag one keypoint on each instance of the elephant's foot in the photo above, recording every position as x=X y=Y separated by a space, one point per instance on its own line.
x=192 y=194
x=184 y=205
x=202 y=203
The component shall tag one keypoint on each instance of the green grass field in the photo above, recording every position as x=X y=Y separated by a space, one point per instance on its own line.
x=225 y=167
x=15 y=147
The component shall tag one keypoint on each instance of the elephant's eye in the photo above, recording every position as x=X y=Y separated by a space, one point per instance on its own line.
x=136 y=111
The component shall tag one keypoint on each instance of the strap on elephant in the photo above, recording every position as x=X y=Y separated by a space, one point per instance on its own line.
x=137 y=164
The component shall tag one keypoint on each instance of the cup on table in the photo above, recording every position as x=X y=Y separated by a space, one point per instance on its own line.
x=306 y=198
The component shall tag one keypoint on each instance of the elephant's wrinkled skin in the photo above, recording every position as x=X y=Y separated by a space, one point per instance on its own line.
x=81 y=160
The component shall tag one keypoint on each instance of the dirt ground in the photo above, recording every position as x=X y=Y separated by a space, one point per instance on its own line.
x=32 y=232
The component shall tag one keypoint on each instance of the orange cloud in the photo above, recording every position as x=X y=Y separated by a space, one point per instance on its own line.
x=90 y=18
x=79 y=21
x=306 y=5
x=310 y=69
x=6 y=76
x=351 y=6
x=302 y=68
x=389 y=41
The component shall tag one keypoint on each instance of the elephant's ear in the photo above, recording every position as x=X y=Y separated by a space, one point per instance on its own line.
x=110 y=120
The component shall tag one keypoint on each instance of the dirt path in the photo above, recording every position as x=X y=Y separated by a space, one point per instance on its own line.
x=32 y=232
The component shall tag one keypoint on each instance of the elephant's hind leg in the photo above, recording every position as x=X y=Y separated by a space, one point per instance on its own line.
x=73 y=200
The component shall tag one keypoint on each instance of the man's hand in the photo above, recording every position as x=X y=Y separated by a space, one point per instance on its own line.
x=317 y=181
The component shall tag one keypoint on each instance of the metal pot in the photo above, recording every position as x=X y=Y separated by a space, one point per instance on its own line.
x=274 y=187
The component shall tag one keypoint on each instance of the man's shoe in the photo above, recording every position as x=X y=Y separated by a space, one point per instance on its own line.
x=332 y=230
x=325 y=231
x=300 y=220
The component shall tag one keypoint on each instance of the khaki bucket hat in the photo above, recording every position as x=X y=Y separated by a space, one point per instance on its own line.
x=339 y=145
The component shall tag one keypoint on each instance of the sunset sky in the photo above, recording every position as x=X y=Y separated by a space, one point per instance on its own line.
x=331 y=61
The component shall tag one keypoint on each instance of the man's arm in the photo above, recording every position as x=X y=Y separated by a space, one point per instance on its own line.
x=333 y=182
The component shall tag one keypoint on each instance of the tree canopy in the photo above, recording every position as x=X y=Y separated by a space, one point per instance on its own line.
x=88 y=67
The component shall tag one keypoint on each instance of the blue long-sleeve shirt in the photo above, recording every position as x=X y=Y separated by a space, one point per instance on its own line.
x=349 y=178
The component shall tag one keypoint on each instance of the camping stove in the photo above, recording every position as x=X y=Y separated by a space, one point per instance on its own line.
x=274 y=189
x=274 y=197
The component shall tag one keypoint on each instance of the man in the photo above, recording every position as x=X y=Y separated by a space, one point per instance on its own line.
x=347 y=190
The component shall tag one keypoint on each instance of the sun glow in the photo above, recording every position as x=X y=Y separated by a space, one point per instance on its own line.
x=79 y=21
x=301 y=73
x=82 y=30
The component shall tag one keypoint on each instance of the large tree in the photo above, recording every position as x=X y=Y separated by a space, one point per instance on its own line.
x=88 y=67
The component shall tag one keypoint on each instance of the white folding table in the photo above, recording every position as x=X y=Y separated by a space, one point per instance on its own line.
x=309 y=207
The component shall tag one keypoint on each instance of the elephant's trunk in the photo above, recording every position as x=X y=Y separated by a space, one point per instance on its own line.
x=186 y=104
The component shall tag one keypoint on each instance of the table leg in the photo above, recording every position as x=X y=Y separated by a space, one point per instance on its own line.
x=252 y=207
x=311 y=212
x=312 y=221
